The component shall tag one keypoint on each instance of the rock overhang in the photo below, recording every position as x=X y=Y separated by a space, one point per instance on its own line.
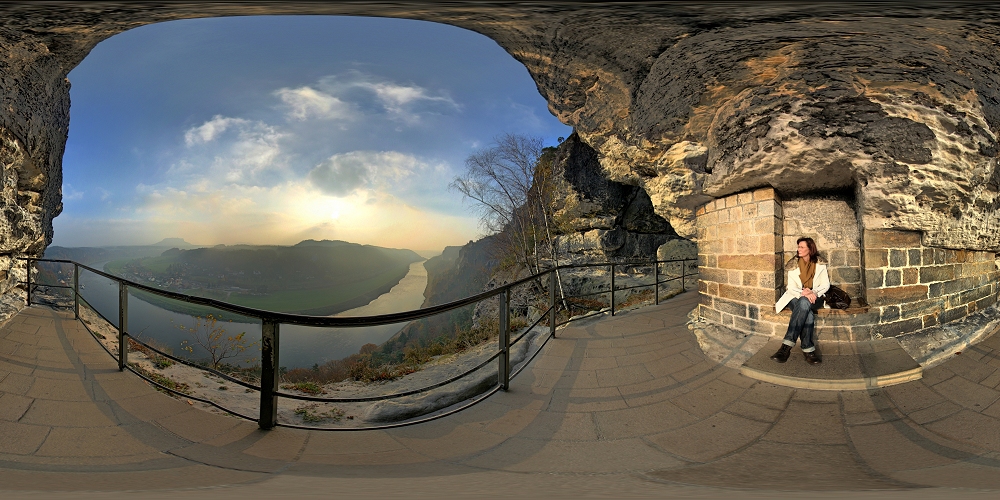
x=898 y=102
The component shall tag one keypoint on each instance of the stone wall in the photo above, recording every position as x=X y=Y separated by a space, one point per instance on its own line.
x=739 y=258
x=912 y=286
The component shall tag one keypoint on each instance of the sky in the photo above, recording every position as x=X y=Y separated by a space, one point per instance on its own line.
x=272 y=130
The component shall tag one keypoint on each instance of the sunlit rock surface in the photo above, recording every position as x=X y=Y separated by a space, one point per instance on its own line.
x=897 y=102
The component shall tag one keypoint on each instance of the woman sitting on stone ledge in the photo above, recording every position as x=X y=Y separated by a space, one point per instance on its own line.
x=807 y=282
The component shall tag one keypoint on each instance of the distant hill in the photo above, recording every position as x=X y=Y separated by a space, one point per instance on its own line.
x=173 y=243
x=311 y=277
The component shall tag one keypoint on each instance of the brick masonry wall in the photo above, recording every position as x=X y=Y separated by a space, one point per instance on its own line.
x=739 y=256
x=833 y=224
x=914 y=287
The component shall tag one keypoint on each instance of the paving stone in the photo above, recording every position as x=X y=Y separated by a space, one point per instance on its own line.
x=561 y=426
x=967 y=393
x=633 y=422
x=710 y=438
x=805 y=470
x=445 y=441
x=51 y=413
x=769 y=395
x=91 y=442
x=913 y=396
x=937 y=375
x=281 y=444
x=708 y=399
x=957 y=475
x=13 y=406
x=586 y=400
x=934 y=413
x=16 y=383
x=196 y=425
x=525 y=455
x=21 y=439
x=759 y=413
x=623 y=375
x=884 y=449
x=971 y=428
x=808 y=424
x=59 y=390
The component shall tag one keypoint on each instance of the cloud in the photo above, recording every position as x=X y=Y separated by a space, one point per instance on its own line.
x=233 y=150
x=209 y=130
x=344 y=173
x=368 y=94
x=70 y=194
x=306 y=102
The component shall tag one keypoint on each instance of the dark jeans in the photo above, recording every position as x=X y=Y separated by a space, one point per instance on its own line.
x=803 y=322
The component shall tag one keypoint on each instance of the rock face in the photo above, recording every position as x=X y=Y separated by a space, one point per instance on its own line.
x=690 y=102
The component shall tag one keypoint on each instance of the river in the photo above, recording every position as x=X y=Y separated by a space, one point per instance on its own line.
x=301 y=346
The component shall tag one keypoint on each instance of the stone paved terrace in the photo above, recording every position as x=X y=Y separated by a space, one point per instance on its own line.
x=623 y=407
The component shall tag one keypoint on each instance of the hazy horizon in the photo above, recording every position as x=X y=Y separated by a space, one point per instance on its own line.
x=274 y=130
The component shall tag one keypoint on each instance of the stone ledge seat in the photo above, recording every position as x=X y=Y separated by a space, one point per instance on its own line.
x=857 y=365
x=834 y=326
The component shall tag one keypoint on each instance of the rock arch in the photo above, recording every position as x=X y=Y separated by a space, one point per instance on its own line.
x=691 y=102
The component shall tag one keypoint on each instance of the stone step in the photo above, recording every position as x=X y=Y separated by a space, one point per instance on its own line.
x=836 y=325
x=845 y=366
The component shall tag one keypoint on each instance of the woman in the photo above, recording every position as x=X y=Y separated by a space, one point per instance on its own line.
x=807 y=282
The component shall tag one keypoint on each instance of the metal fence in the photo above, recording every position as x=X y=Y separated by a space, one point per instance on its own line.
x=270 y=331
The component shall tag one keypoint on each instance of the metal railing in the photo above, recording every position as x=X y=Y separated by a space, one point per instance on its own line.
x=270 y=332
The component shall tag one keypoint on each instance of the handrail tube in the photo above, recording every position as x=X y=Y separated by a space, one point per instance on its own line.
x=582 y=295
x=76 y=291
x=391 y=396
x=656 y=284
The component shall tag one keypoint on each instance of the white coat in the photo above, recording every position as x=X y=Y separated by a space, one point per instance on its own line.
x=821 y=282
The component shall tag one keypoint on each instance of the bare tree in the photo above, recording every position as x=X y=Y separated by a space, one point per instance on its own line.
x=511 y=188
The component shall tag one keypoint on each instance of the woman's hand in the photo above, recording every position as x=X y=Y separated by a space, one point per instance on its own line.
x=809 y=295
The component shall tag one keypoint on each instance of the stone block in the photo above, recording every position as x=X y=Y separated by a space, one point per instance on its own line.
x=845 y=275
x=713 y=274
x=876 y=258
x=766 y=280
x=750 y=279
x=853 y=257
x=952 y=314
x=702 y=286
x=750 y=210
x=896 y=295
x=893 y=277
x=933 y=274
x=897 y=258
x=889 y=314
x=921 y=308
x=764 y=194
x=974 y=294
x=706 y=300
x=837 y=258
x=765 y=225
x=750 y=295
x=874 y=278
x=713 y=288
x=911 y=276
x=939 y=255
x=927 y=256
x=759 y=262
x=914 y=256
x=953 y=286
x=985 y=302
x=713 y=260
x=734 y=278
x=730 y=201
x=900 y=327
x=889 y=238
x=747 y=244
x=765 y=209
x=753 y=311
x=736 y=213
x=930 y=320
x=768 y=243
x=744 y=198
x=730 y=307
x=710 y=314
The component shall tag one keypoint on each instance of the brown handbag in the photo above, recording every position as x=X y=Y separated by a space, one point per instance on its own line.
x=837 y=298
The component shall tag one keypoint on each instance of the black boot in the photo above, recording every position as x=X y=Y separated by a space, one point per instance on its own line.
x=812 y=357
x=782 y=355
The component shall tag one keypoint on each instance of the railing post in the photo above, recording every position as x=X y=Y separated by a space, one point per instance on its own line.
x=28 y=279
x=269 y=374
x=76 y=291
x=656 y=282
x=122 y=326
x=552 y=302
x=612 y=288
x=504 y=339
x=683 y=275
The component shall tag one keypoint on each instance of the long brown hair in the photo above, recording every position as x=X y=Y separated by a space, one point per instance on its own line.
x=813 y=252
